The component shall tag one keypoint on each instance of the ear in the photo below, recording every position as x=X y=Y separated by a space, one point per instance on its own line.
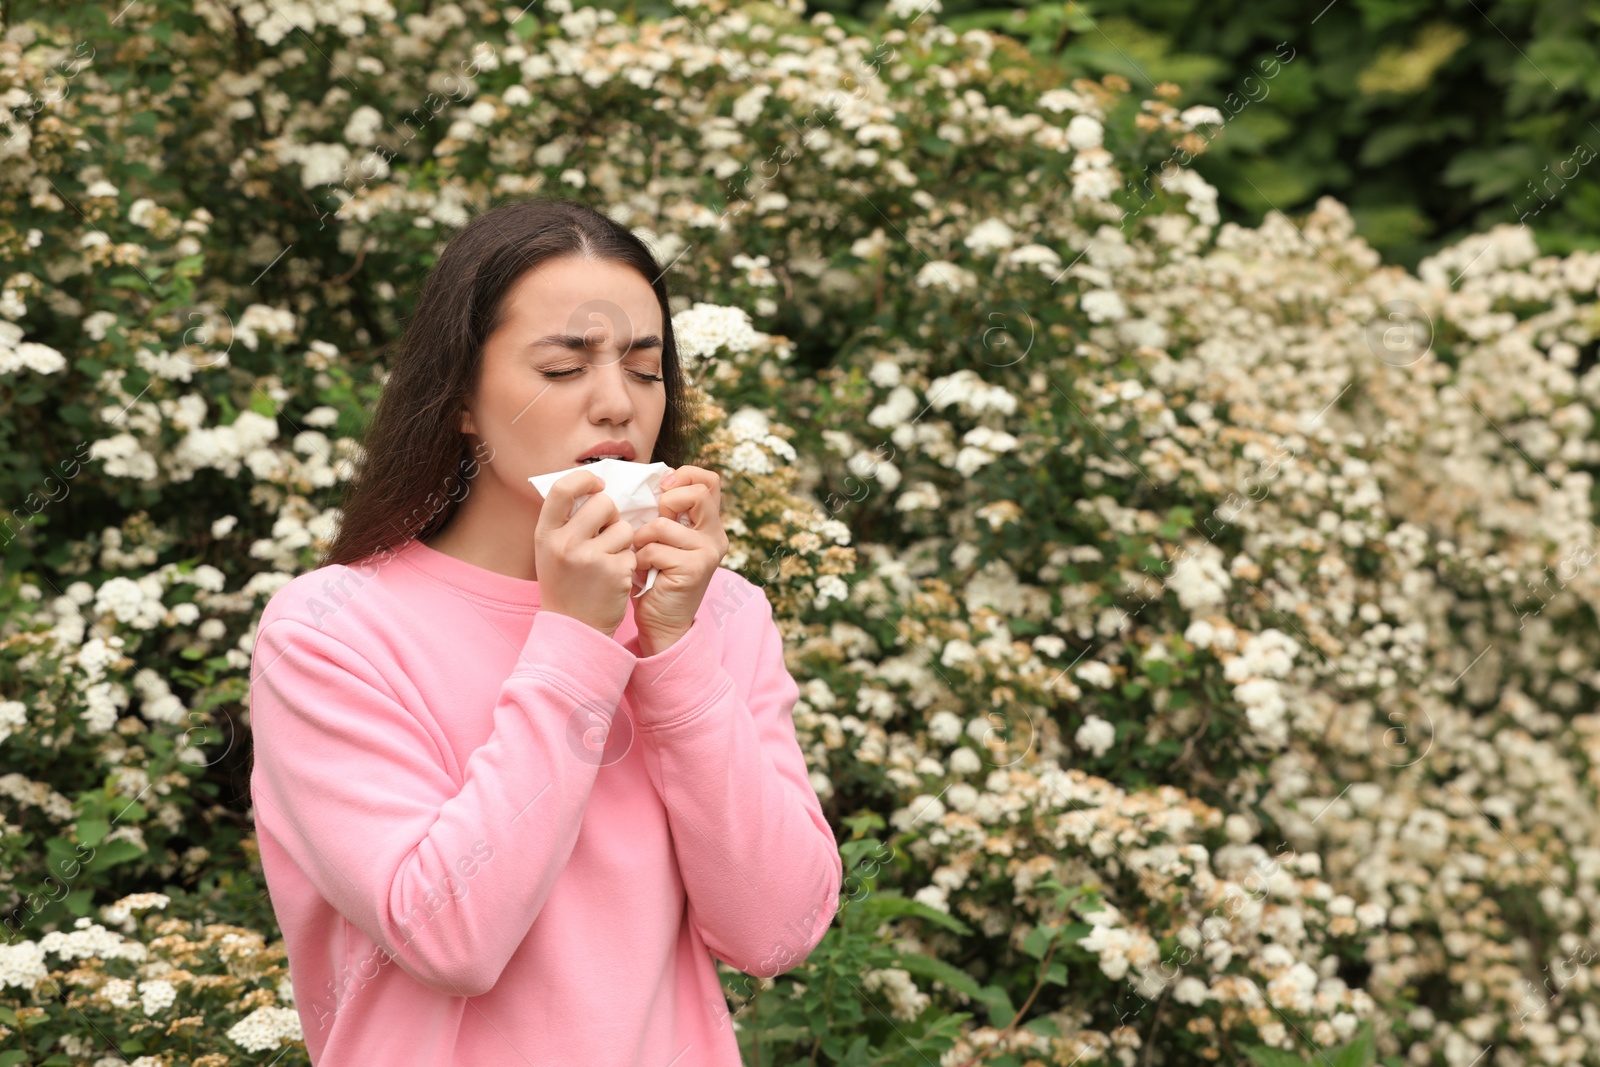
x=466 y=422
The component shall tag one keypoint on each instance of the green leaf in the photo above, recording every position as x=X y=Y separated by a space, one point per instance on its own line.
x=10 y=1059
x=91 y=831
x=525 y=27
x=78 y=902
x=1359 y=1052
x=852 y=851
x=262 y=404
x=940 y=971
x=888 y=904
x=863 y=824
x=118 y=851
x=1262 y=1056
x=1001 y=1011
x=189 y=266
x=1037 y=943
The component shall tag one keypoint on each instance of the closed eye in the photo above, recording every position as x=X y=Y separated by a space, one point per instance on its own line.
x=567 y=373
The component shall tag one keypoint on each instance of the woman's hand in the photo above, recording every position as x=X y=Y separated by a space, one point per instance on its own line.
x=585 y=563
x=687 y=556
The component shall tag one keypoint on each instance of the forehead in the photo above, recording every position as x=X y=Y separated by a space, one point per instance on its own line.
x=575 y=295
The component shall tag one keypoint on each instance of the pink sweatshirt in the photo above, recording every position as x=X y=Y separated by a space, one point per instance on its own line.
x=471 y=868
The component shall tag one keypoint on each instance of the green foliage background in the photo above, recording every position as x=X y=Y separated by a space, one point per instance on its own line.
x=1430 y=120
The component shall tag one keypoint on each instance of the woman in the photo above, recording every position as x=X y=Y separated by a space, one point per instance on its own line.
x=507 y=812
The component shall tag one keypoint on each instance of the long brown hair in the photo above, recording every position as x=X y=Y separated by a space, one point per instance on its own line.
x=416 y=464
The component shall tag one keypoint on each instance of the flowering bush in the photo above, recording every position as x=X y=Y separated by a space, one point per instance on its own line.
x=1190 y=620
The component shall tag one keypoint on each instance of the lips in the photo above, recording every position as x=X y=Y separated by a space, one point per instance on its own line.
x=614 y=449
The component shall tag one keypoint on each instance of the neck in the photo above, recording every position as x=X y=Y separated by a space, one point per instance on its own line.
x=492 y=528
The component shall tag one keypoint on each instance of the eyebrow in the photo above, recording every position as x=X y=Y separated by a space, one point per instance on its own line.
x=577 y=344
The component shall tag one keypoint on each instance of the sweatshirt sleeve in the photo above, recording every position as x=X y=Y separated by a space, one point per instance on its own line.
x=759 y=862
x=445 y=877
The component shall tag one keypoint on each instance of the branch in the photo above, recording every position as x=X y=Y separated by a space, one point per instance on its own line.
x=1044 y=964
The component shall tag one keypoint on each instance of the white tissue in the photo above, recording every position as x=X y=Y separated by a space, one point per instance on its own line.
x=634 y=487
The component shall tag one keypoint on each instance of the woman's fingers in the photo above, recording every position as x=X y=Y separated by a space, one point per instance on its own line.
x=691 y=486
x=556 y=512
x=668 y=532
x=662 y=557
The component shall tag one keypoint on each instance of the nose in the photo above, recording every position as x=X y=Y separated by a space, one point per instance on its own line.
x=610 y=399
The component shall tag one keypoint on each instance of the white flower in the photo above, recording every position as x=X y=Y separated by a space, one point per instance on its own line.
x=1096 y=673
x=1200 y=115
x=266 y=1028
x=991 y=235
x=885 y=374
x=1096 y=735
x=1202 y=195
x=1190 y=990
x=22 y=964
x=95 y=325
x=945 y=275
x=119 y=992
x=13 y=717
x=957 y=651
x=703 y=329
x=1094 y=183
x=830 y=587
x=935 y=896
x=1084 y=132
x=1102 y=305
x=1049 y=645
x=143 y=212
x=1199 y=579
x=971 y=392
x=157 y=995
x=970 y=460
x=33 y=356
x=1059 y=100
x=963 y=761
x=749 y=458
x=747 y=106
x=1199 y=633
x=1046 y=259
x=1111 y=944
x=944 y=727
x=92 y=939
x=321 y=164
x=906 y=1000
x=363 y=125
x=871 y=245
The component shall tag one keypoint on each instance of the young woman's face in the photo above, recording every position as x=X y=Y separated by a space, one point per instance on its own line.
x=576 y=363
